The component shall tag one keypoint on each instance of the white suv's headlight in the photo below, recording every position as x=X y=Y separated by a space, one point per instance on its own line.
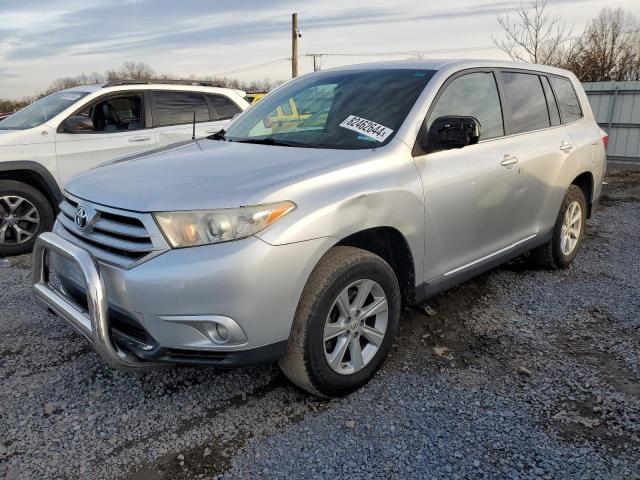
x=201 y=227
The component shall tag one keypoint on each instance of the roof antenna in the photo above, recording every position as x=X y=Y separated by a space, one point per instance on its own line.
x=193 y=137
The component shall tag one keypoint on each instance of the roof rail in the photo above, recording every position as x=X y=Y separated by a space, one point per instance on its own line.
x=197 y=83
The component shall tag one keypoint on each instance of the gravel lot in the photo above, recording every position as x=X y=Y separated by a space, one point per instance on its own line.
x=519 y=373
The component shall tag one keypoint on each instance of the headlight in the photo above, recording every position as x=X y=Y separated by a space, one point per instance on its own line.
x=201 y=227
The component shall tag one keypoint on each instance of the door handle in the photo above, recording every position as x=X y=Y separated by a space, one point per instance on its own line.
x=509 y=161
x=565 y=146
x=139 y=139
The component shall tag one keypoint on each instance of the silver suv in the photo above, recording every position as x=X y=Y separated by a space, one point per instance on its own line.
x=298 y=238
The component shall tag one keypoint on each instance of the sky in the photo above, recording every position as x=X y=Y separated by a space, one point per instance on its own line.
x=41 y=40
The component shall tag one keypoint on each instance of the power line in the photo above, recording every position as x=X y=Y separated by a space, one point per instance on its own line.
x=254 y=66
x=410 y=52
x=321 y=56
x=361 y=54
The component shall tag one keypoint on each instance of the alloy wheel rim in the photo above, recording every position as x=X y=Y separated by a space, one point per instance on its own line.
x=571 y=228
x=19 y=220
x=355 y=327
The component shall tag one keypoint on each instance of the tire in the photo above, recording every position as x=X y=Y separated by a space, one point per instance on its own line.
x=22 y=198
x=554 y=254
x=348 y=271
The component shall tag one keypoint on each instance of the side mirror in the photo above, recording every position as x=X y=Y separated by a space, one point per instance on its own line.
x=78 y=124
x=449 y=132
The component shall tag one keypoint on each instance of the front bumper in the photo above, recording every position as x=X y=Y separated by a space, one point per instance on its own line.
x=92 y=323
x=161 y=310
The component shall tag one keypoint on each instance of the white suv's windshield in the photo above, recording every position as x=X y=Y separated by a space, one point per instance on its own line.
x=350 y=109
x=40 y=111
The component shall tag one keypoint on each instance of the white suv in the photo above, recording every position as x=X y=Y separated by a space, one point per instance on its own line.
x=43 y=145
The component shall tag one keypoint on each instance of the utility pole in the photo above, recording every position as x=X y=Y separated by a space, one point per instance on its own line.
x=294 y=45
x=317 y=60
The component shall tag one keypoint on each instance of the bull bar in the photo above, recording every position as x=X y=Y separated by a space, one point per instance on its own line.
x=92 y=324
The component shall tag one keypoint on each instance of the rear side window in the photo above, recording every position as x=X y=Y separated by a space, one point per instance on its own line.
x=176 y=108
x=222 y=108
x=527 y=102
x=552 y=105
x=474 y=95
x=567 y=99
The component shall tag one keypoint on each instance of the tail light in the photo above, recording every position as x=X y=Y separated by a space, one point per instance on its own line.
x=605 y=140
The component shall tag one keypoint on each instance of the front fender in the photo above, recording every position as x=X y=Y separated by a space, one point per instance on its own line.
x=44 y=176
x=384 y=191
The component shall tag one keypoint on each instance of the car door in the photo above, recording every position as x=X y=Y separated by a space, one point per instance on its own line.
x=534 y=121
x=468 y=192
x=173 y=114
x=584 y=138
x=118 y=128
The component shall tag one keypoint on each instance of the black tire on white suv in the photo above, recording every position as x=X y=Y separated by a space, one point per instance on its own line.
x=24 y=214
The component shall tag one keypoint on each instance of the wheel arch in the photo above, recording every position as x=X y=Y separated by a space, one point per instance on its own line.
x=391 y=245
x=34 y=174
x=585 y=182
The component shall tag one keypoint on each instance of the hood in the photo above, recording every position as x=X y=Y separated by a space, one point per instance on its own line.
x=202 y=175
x=28 y=136
x=7 y=137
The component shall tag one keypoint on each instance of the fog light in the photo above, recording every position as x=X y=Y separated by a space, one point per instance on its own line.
x=218 y=329
x=223 y=332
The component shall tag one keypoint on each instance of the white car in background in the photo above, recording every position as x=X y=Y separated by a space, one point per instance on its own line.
x=68 y=132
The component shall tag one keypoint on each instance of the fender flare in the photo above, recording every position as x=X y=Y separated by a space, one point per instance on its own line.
x=52 y=189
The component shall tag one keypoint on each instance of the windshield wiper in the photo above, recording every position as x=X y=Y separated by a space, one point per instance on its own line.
x=219 y=135
x=273 y=141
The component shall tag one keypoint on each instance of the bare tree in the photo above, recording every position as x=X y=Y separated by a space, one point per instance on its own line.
x=137 y=71
x=132 y=71
x=68 y=82
x=611 y=48
x=534 y=35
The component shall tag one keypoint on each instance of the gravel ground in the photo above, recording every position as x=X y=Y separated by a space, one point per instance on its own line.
x=518 y=373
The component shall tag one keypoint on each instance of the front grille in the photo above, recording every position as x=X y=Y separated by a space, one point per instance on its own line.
x=115 y=236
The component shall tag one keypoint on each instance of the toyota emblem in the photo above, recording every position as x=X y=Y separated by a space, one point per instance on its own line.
x=82 y=219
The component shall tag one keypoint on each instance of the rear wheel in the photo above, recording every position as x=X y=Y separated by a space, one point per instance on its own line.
x=345 y=324
x=24 y=214
x=568 y=232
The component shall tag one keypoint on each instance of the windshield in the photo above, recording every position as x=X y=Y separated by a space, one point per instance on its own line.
x=351 y=109
x=40 y=111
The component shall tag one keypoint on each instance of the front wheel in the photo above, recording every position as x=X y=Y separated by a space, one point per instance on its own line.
x=568 y=232
x=345 y=323
x=24 y=214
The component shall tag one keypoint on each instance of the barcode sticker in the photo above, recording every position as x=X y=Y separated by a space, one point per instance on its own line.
x=366 y=127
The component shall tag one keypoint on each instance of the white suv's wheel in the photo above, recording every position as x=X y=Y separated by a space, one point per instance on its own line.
x=345 y=323
x=24 y=214
x=568 y=232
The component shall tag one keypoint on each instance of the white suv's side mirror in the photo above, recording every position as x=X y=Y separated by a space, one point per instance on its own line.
x=78 y=124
